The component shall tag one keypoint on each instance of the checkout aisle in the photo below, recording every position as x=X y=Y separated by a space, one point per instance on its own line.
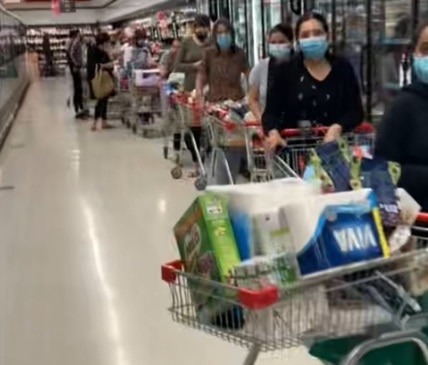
x=85 y=223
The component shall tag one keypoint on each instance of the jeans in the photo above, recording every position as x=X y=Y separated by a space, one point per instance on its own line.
x=101 y=109
x=234 y=156
x=77 y=91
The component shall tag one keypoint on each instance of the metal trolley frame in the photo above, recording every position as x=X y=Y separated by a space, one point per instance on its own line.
x=349 y=300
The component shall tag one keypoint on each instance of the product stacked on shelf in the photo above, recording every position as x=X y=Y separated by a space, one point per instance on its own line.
x=58 y=38
x=169 y=25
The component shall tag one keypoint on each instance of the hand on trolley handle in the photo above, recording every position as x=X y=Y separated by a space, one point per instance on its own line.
x=278 y=139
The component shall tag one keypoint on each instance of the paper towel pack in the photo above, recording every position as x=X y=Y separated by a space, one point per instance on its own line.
x=335 y=229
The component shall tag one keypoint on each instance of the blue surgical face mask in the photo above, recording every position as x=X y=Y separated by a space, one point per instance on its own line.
x=313 y=48
x=420 y=66
x=224 y=41
x=281 y=50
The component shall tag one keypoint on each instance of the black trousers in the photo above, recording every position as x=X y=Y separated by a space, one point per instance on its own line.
x=77 y=91
x=197 y=134
x=101 y=109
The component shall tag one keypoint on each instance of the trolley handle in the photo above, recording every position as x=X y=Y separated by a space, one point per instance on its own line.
x=422 y=218
x=363 y=128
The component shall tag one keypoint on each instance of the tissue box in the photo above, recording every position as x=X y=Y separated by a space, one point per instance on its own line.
x=207 y=247
x=336 y=229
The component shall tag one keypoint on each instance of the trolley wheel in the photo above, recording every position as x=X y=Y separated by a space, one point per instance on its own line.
x=165 y=152
x=201 y=183
x=176 y=173
x=134 y=129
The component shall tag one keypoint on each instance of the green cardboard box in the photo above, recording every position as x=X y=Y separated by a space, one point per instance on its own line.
x=207 y=248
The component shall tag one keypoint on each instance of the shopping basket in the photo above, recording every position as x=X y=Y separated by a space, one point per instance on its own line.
x=354 y=302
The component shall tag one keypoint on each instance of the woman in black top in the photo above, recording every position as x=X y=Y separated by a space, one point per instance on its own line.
x=102 y=59
x=403 y=134
x=314 y=86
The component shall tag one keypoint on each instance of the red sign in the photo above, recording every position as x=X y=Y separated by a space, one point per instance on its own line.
x=55 y=7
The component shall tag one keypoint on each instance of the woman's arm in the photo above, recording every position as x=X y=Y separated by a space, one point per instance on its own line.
x=352 y=107
x=274 y=115
x=253 y=91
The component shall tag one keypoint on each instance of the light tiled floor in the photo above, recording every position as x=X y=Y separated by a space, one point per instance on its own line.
x=82 y=235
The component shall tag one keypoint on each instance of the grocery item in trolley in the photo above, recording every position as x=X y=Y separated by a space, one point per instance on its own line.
x=146 y=78
x=208 y=249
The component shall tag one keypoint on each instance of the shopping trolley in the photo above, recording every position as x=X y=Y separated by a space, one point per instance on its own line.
x=226 y=135
x=189 y=114
x=293 y=158
x=120 y=106
x=146 y=89
x=371 y=304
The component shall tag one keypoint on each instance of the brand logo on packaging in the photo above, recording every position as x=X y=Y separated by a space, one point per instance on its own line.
x=358 y=238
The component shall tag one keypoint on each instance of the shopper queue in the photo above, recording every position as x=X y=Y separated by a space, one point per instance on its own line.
x=301 y=80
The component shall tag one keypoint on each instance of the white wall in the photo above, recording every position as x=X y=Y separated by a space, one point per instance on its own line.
x=46 y=17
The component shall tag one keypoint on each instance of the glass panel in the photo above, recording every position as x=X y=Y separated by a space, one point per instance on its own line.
x=240 y=22
x=13 y=70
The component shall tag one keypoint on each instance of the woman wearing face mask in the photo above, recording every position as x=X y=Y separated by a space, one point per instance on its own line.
x=314 y=87
x=403 y=134
x=189 y=61
x=222 y=70
x=280 y=43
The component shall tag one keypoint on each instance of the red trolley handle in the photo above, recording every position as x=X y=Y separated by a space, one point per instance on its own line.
x=252 y=299
x=230 y=126
x=364 y=127
x=422 y=218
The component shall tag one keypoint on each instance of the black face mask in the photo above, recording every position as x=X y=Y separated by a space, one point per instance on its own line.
x=201 y=36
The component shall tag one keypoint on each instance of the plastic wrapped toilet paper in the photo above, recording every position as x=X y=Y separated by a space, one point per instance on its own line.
x=258 y=205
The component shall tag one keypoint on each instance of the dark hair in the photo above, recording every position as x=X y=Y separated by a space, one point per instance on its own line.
x=202 y=20
x=170 y=41
x=102 y=38
x=309 y=16
x=74 y=33
x=228 y=25
x=140 y=34
x=419 y=30
x=285 y=29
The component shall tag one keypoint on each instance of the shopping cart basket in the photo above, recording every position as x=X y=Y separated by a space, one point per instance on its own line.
x=189 y=115
x=225 y=135
x=354 y=300
x=293 y=159
x=146 y=90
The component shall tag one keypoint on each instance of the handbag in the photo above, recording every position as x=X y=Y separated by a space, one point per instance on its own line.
x=102 y=84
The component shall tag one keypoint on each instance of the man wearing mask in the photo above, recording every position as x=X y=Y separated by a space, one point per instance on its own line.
x=189 y=61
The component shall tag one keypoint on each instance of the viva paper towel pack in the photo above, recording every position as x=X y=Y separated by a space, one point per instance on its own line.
x=335 y=229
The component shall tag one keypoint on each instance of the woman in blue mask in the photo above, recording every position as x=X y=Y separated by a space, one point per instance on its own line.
x=222 y=70
x=403 y=134
x=280 y=42
x=314 y=87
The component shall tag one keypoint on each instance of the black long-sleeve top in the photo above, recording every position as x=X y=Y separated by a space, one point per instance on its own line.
x=402 y=137
x=294 y=96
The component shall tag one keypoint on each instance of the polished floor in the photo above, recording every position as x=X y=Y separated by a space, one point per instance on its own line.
x=85 y=222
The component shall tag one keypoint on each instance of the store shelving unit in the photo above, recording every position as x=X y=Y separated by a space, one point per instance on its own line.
x=59 y=37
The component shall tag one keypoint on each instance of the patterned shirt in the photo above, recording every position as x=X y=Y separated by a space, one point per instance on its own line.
x=223 y=72
x=76 y=54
